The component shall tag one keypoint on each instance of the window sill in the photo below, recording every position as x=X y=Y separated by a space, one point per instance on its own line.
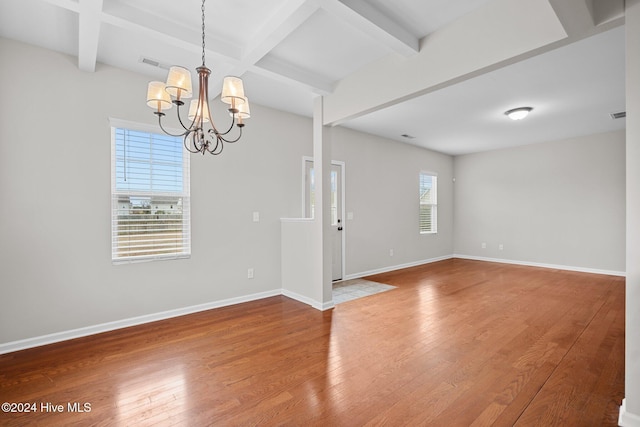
x=118 y=261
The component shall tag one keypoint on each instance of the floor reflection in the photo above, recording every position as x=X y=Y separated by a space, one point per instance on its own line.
x=155 y=396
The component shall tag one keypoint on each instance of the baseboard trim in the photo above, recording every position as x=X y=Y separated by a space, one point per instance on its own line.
x=542 y=265
x=125 y=323
x=396 y=267
x=309 y=301
x=327 y=306
x=627 y=419
x=12 y=346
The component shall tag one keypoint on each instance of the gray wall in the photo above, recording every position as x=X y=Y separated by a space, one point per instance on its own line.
x=382 y=192
x=559 y=203
x=55 y=252
x=56 y=273
x=632 y=342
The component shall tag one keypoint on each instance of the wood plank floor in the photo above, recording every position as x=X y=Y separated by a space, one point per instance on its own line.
x=458 y=343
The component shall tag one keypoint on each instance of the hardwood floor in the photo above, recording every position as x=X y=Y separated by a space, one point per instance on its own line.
x=458 y=343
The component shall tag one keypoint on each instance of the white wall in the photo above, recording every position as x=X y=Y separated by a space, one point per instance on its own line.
x=301 y=261
x=559 y=203
x=382 y=192
x=631 y=414
x=55 y=251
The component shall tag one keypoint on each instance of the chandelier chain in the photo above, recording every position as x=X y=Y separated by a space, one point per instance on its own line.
x=203 y=32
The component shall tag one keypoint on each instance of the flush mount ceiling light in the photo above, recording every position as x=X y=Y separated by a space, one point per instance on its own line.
x=162 y=96
x=518 y=113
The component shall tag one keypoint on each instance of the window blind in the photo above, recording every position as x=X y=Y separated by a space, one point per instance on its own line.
x=428 y=203
x=150 y=216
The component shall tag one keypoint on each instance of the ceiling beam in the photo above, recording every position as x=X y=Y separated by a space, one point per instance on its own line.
x=582 y=18
x=257 y=60
x=574 y=16
x=89 y=12
x=290 y=16
x=287 y=73
x=65 y=4
x=605 y=11
x=448 y=56
x=164 y=31
x=139 y=22
x=364 y=16
x=256 y=56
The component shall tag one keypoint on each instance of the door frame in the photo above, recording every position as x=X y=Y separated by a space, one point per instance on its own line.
x=343 y=239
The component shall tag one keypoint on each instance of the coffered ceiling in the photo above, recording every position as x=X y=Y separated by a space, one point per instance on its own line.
x=442 y=71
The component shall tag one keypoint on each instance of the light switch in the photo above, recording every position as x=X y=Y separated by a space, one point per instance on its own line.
x=256 y=217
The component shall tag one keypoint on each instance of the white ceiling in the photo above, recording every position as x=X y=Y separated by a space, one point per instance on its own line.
x=572 y=90
x=290 y=51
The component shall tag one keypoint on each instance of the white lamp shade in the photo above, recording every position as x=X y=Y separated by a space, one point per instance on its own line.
x=243 y=110
x=232 y=91
x=157 y=96
x=193 y=109
x=179 y=83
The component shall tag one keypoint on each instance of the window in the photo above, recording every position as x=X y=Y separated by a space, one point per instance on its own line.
x=150 y=203
x=310 y=191
x=428 y=203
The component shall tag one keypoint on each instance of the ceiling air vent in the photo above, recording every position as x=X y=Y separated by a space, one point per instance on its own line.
x=153 y=63
x=619 y=115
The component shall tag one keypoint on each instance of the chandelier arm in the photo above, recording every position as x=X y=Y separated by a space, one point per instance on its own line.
x=187 y=146
x=231 y=141
x=169 y=133
x=217 y=149
x=187 y=129
x=203 y=77
x=204 y=89
x=213 y=125
x=233 y=121
x=201 y=143
x=210 y=138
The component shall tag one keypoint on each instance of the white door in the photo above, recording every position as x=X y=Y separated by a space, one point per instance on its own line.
x=336 y=210
x=336 y=220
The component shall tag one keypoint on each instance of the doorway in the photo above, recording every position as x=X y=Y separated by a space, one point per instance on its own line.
x=337 y=210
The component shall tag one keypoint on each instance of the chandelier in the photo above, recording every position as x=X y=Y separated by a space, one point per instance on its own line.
x=162 y=96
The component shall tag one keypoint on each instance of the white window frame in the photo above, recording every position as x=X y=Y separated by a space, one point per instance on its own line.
x=433 y=204
x=184 y=196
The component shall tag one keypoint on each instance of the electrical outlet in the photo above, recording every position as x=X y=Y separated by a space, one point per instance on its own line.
x=501 y=247
x=256 y=217
x=484 y=245
x=250 y=273
x=390 y=252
